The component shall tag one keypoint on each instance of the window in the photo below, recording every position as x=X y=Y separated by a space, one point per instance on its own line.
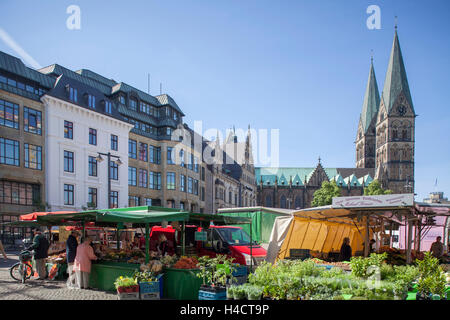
x=68 y=194
x=114 y=199
x=169 y=131
x=190 y=185
x=73 y=94
x=143 y=156
x=131 y=176
x=235 y=199
x=133 y=104
x=32 y=120
x=203 y=173
x=68 y=129
x=19 y=193
x=170 y=180
x=283 y=202
x=114 y=142
x=144 y=107
x=155 y=180
x=169 y=155
x=182 y=183
x=9 y=152
x=114 y=170
x=68 y=161
x=203 y=194
x=195 y=164
x=133 y=201
x=190 y=161
x=92 y=197
x=143 y=178
x=9 y=114
x=92 y=166
x=196 y=187
x=91 y=101
x=132 y=149
x=230 y=197
x=108 y=107
x=33 y=156
x=155 y=154
x=148 y=202
x=122 y=99
x=182 y=206
x=93 y=136
x=182 y=157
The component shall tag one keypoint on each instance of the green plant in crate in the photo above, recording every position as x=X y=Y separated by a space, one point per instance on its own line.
x=123 y=283
x=432 y=278
x=215 y=271
x=230 y=292
x=239 y=293
x=144 y=276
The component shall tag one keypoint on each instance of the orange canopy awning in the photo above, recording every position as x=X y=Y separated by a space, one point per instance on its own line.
x=33 y=216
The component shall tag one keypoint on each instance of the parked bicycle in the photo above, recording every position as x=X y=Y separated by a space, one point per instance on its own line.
x=22 y=270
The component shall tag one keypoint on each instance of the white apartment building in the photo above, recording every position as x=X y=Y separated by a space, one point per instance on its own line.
x=80 y=122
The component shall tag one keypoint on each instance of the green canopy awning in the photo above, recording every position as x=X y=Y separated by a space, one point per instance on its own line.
x=135 y=215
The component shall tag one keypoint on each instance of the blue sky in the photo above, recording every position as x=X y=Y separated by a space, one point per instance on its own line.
x=297 y=66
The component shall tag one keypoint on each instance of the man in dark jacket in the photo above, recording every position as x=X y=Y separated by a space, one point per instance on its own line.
x=71 y=252
x=346 y=251
x=40 y=246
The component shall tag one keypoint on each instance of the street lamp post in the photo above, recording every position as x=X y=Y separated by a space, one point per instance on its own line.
x=117 y=161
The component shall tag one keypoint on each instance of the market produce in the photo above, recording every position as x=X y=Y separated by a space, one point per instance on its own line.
x=154 y=266
x=186 y=263
x=168 y=261
x=57 y=258
x=342 y=265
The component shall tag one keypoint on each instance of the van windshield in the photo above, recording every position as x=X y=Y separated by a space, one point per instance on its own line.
x=234 y=236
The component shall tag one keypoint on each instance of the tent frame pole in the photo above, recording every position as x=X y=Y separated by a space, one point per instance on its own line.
x=366 y=238
x=147 y=243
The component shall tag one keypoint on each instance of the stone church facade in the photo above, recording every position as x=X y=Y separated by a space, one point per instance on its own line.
x=384 y=147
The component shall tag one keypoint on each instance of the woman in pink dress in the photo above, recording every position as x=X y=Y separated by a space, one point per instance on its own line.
x=82 y=263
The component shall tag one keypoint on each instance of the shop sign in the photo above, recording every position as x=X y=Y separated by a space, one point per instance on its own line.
x=389 y=200
x=200 y=236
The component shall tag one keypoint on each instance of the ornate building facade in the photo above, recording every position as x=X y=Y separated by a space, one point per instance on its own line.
x=384 y=147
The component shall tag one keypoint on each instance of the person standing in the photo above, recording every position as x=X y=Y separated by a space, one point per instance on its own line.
x=2 y=250
x=40 y=246
x=82 y=263
x=71 y=252
x=163 y=245
x=437 y=248
x=346 y=251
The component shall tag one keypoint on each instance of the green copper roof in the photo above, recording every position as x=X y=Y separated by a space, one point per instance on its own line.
x=396 y=80
x=371 y=101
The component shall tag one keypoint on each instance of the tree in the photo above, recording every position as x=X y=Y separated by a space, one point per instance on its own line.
x=374 y=189
x=324 y=196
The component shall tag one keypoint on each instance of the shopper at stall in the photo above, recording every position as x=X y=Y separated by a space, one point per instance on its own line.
x=162 y=245
x=71 y=252
x=2 y=250
x=346 y=251
x=437 y=248
x=40 y=246
x=82 y=263
x=136 y=242
x=372 y=245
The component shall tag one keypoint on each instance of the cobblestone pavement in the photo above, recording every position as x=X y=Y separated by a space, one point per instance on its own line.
x=11 y=289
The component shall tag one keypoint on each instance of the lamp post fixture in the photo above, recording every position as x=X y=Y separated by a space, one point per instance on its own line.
x=117 y=161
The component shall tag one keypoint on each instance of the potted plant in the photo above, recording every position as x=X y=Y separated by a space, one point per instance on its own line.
x=230 y=292
x=239 y=293
x=254 y=293
x=432 y=279
x=214 y=272
x=126 y=285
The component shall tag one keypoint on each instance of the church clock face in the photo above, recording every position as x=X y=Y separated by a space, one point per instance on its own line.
x=401 y=110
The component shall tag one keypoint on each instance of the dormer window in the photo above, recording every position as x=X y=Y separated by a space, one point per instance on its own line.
x=122 y=99
x=73 y=93
x=108 y=107
x=91 y=101
x=133 y=104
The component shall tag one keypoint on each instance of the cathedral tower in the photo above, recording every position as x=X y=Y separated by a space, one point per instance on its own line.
x=395 y=128
x=365 y=136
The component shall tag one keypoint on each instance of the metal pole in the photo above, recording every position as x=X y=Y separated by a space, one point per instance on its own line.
x=118 y=238
x=109 y=180
x=366 y=238
x=251 y=251
x=408 y=252
x=184 y=238
x=147 y=243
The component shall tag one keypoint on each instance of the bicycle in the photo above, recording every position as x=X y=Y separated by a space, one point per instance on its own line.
x=23 y=270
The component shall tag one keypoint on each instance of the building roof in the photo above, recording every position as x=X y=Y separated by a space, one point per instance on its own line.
x=371 y=101
x=15 y=66
x=60 y=91
x=303 y=175
x=396 y=80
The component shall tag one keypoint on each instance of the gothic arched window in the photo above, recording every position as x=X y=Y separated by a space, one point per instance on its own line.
x=298 y=202
x=283 y=202
x=268 y=201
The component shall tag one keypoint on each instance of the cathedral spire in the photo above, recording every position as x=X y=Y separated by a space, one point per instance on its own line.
x=371 y=100
x=396 y=81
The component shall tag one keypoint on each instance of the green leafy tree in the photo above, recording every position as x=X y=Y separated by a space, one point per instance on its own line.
x=324 y=196
x=374 y=189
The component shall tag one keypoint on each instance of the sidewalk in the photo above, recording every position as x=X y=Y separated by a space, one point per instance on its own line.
x=11 y=289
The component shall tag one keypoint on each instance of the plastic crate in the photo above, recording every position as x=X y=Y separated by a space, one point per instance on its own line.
x=149 y=287
x=208 y=295
x=240 y=271
x=128 y=296
x=150 y=296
